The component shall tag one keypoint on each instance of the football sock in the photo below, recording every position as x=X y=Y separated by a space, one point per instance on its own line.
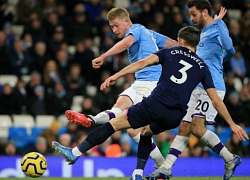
x=137 y=138
x=226 y=155
x=212 y=140
x=176 y=148
x=105 y=116
x=155 y=152
x=137 y=171
x=144 y=149
x=76 y=152
x=96 y=137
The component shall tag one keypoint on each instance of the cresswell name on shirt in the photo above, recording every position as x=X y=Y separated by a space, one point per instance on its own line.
x=197 y=60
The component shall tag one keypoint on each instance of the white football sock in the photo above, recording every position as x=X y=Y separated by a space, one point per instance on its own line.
x=137 y=171
x=177 y=146
x=226 y=155
x=211 y=140
x=156 y=155
x=116 y=111
x=103 y=117
x=137 y=138
x=76 y=152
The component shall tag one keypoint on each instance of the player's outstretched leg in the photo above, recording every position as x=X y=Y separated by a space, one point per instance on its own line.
x=231 y=166
x=65 y=152
x=80 y=119
x=160 y=173
x=89 y=120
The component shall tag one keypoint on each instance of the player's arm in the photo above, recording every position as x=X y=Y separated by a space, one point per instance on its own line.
x=222 y=110
x=164 y=41
x=148 y=61
x=170 y=43
x=116 y=49
x=225 y=39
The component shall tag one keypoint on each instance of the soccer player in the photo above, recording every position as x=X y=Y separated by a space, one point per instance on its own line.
x=164 y=109
x=214 y=46
x=140 y=43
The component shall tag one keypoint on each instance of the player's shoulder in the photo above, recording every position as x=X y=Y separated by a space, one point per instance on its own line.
x=209 y=31
x=179 y=49
x=135 y=29
x=173 y=52
x=137 y=26
x=187 y=54
x=220 y=21
x=166 y=49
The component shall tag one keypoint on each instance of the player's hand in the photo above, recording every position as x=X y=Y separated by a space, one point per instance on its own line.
x=221 y=14
x=108 y=82
x=97 y=62
x=241 y=133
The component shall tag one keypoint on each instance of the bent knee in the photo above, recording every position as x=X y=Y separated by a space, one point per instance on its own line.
x=123 y=102
x=184 y=129
x=198 y=127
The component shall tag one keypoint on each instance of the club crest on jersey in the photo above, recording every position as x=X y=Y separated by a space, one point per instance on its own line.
x=203 y=34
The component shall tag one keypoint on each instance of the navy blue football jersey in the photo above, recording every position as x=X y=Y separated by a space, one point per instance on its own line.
x=182 y=70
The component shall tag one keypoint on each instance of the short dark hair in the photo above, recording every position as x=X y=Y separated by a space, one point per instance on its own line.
x=200 y=5
x=190 y=34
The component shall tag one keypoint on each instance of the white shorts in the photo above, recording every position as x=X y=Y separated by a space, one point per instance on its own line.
x=201 y=105
x=138 y=90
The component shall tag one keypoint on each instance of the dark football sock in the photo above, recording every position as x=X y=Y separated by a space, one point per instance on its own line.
x=144 y=149
x=96 y=137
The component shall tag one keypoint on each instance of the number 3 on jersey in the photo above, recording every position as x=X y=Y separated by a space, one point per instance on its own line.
x=183 y=70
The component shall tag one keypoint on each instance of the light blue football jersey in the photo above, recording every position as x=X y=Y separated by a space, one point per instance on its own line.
x=145 y=43
x=215 y=44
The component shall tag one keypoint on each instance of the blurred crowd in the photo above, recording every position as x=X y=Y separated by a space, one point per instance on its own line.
x=60 y=38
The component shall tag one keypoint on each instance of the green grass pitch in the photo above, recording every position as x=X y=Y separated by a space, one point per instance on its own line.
x=127 y=178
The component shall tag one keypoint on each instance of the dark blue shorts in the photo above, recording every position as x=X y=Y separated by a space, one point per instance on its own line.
x=159 y=116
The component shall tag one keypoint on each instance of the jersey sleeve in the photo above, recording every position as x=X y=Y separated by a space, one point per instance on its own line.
x=134 y=32
x=207 y=80
x=160 y=39
x=225 y=39
x=162 y=54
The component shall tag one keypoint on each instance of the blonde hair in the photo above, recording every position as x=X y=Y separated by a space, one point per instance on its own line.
x=117 y=12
